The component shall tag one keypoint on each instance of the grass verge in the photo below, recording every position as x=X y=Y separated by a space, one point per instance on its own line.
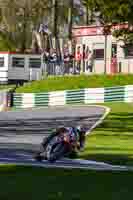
x=75 y=82
x=4 y=87
x=112 y=141
x=59 y=184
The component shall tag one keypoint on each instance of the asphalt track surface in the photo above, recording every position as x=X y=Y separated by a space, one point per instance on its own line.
x=25 y=129
x=21 y=133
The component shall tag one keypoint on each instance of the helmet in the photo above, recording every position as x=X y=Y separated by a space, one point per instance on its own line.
x=80 y=129
x=61 y=130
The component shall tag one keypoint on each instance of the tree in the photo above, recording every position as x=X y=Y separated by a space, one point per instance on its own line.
x=90 y=6
x=19 y=17
x=70 y=18
x=120 y=11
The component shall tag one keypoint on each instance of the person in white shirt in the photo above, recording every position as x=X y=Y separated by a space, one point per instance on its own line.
x=89 y=61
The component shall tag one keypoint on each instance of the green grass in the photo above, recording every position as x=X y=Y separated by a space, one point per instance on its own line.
x=76 y=82
x=59 y=184
x=112 y=141
x=3 y=87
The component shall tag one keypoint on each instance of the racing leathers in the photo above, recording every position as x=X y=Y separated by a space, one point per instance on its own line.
x=76 y=133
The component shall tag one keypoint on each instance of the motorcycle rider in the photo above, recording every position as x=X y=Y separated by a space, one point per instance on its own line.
x=77 y=132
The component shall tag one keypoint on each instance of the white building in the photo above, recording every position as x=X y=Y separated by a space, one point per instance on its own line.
x=108 y=54
x=16 y=67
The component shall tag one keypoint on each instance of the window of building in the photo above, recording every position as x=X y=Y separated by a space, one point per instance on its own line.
x=34 y=62
x=128 y=50
x=1 y=61
x=98 y=51
x=98 y=54
x=17 y=62
x=114 y=50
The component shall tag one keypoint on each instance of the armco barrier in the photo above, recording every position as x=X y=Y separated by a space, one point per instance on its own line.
x=82 y=96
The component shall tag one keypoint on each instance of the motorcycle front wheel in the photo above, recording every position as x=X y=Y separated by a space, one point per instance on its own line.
x=57 y=151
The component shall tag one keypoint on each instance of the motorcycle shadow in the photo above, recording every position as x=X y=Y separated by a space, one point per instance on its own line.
x=72 y=155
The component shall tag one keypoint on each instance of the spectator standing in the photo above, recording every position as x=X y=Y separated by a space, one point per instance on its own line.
x=89 y=60
x=45 y=57
x=78 y=58
x=84 y=57
x=66 y=58
x=52 y=59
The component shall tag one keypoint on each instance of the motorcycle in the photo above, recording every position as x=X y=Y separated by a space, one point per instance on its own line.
x=59 y=146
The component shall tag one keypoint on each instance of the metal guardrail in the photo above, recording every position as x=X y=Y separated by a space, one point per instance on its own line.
x=61 y=68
